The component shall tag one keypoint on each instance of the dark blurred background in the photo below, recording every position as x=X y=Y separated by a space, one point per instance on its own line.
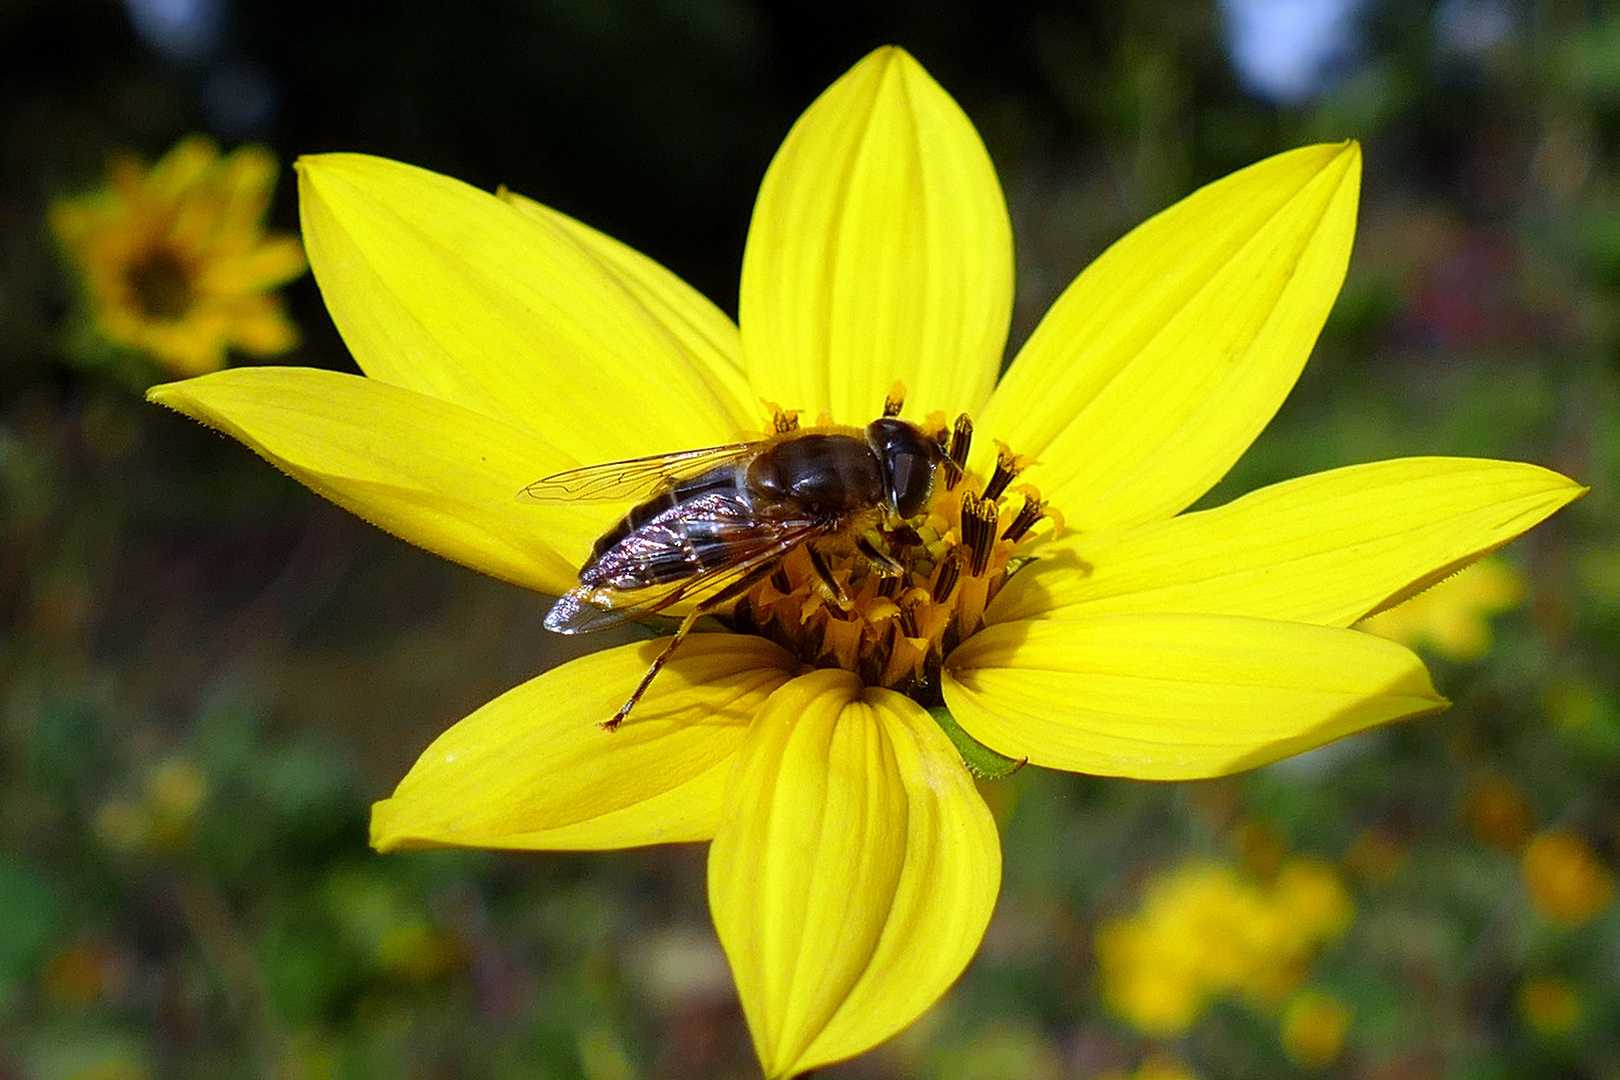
x=207 y=673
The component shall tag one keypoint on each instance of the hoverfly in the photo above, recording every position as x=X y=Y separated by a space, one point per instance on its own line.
x=714 y=522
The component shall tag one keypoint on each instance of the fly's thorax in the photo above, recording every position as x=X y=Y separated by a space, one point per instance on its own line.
x=832 y=473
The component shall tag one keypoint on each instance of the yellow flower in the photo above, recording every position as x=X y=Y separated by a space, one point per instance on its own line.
x=1453 y=618
x=853 y=865
x=176 y=790
x=1155 y=1068
x=1566 y=880
x=1314 y=1025
x=174 y=260
x=1498 y=812
x=1205 y=932
x=1550 y=1005
x=1311 y=896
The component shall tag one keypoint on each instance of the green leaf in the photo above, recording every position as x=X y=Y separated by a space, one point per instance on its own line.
x=32 y=917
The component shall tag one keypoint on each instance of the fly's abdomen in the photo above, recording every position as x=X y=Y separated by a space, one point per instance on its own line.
x=676 y=536
x=654 y=517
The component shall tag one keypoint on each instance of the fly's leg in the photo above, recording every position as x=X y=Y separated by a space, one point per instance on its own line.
x=881 y=560
x=834 y=591
x=724 y=596
x=657 y=665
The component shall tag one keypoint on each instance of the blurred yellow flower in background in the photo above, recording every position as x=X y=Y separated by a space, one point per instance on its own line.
x=1314 y=1025
x=1566 y=881
x=1550 y=1005
x=1206 y=932
x=1498 y=812
x=163 y=818
x=1156 y=1067
x=1453 y=617
x=174 y=260
x=1377 y=855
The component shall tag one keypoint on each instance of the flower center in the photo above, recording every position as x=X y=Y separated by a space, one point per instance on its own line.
x=892 y=622
x=160 y=285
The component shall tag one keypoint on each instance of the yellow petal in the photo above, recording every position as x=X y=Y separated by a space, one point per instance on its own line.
x=879 y=250
x=273 y=261
x=1327 y=548
x=261 y=328
x=437 y=475
x=187 y=162
x=1176 y=697
x=854 y=871
x=534 y=768
x=1162 y=361
x=702 y=332
x=449 y=291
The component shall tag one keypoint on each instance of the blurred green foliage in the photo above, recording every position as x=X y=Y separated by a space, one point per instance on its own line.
x=207 y=674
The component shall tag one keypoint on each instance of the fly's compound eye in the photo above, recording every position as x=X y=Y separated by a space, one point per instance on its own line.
x=908 y=459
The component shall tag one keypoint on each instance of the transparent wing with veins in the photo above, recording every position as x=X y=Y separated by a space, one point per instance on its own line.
x=635 y=478
x=736 y=546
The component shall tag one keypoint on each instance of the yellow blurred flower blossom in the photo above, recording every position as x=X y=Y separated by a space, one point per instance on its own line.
x=1566 y=880
x=1377 y=855
x=174 y=260
x=1573 y=703
x=1498 y=812
x=85 y=972
x=853 y=865
x=1550 y=1005
x=163 y=818
x=1453 y=617
x=1205 y=932
x=124 y=825
x=1157 y=1067
x=1314 y=1024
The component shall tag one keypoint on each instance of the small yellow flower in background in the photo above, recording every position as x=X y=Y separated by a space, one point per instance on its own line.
x=174 y=260
x=1566 y=880
x=164 y=817
x=1157 y=1067
x=1310 y=896
x=1453 y=617
x=1377 y=855
x=1314 y=1024
x=1498 y=812
x=1550 y=1006
x=176 y=790
x=1206 y=932
x=85 y=973
x=1573 y=703
x=124 y=825
x=389 y=928
x=854 y=865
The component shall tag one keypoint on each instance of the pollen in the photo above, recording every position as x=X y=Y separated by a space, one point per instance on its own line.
x=887 y=597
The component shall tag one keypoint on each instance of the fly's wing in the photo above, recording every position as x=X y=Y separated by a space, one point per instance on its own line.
x=694 y=551
x=633 y=479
